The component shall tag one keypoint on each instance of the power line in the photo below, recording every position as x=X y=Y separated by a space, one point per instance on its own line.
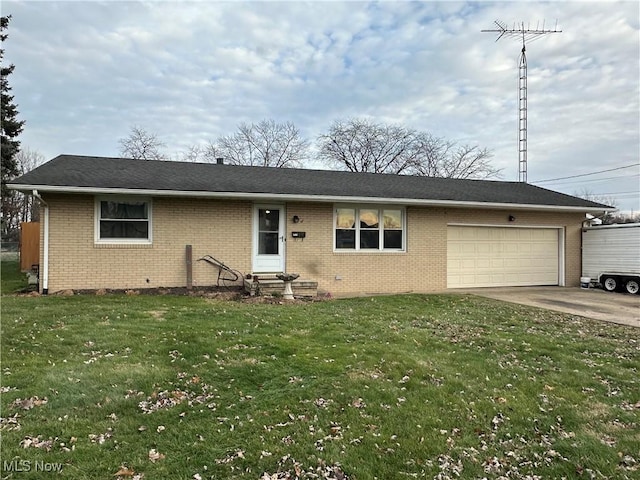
x=599 y=179
x=618 y=193
x=586 y=174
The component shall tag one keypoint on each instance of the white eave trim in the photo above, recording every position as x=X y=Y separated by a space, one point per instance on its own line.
x=282 y=197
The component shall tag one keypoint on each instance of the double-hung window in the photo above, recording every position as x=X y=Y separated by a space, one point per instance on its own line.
x=123 y=220
x=369 y=228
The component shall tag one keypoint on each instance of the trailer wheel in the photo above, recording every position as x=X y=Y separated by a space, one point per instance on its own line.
x=610 y=284
x=632 y=286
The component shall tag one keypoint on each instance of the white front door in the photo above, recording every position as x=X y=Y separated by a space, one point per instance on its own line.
x=268 y=238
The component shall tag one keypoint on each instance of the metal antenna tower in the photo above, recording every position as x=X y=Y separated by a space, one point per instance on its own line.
x=527 y=34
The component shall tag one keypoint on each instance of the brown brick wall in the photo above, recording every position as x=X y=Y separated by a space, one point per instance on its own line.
x=423 y=267
x=224 y=229
x=220 y=229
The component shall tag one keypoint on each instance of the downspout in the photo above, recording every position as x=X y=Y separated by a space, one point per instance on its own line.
x=45 y=260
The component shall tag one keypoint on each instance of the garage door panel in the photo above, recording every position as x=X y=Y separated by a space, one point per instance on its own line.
x=514 y=263
x=493 y=248
x=511 y=248
x=499 y=256
x=497 y=263
x=483 y=263
x=482 y=277
x=467 y=248
x=524 y=248
x=542 y=248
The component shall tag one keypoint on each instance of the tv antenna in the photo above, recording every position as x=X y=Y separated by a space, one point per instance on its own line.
x=527 y=34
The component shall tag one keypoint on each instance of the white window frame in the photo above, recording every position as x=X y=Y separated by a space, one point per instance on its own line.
x=380 y=208
x=122 y=241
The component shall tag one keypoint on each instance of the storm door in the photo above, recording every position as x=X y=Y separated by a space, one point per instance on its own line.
x=268 y=238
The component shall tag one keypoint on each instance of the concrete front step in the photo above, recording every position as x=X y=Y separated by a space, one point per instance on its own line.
x=270 y=285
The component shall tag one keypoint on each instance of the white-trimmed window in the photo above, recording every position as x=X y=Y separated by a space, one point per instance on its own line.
x=123 y=220
x=369 y=228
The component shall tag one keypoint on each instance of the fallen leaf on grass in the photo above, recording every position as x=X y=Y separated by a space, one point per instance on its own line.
x=449 y=467
x=37 y=442
x=154 y=455
x=28 y=403
x=124 y=472
x=497 y=421
x=133 y=393
x=298 y=471
x=230 y=457
x=100 y=439
x=629 y=406
x=492 y=465
x=10 y=423
x=322 y=403
x=627 y=462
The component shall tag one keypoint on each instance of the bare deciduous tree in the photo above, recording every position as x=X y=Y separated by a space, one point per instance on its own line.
x=142 y=145
x=594 y=197
x=363 y=146
x=621 y=217
x=17 y=206
x=445 y=158
x=266 y=143
x=201 y=153
x=608 y=217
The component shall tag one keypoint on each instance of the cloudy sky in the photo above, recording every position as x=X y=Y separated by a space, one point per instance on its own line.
x=86 y=72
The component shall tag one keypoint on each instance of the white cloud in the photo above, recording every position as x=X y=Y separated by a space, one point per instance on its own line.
x=191 y=71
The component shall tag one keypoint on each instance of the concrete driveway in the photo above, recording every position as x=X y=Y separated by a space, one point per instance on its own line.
x=621 y=308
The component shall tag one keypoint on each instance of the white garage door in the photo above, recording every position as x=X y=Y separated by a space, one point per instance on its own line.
x=501 y=257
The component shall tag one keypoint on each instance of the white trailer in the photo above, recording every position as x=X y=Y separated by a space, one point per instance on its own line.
x=611 y=256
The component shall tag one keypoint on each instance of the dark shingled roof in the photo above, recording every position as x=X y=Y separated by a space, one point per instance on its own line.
x=100 y=173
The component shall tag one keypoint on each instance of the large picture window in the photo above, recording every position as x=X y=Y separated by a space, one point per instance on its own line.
x=123 y=220
x=368 y=228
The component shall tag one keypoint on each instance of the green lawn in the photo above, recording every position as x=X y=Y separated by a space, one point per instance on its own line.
x=12 y=279
x=419 y=386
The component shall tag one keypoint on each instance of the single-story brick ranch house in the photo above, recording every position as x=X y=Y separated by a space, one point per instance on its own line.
x=118 y=223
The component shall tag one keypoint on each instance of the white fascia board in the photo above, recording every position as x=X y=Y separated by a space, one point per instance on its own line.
x=253 y=196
